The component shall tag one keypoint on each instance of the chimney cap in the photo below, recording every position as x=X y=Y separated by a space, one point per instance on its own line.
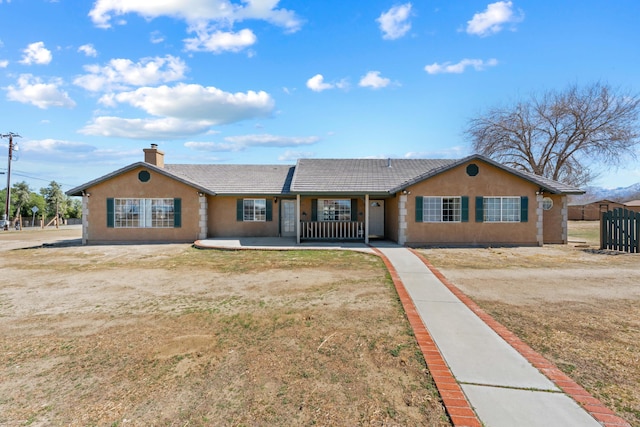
x=154 y=145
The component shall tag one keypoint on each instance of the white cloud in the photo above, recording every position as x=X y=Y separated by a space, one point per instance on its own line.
x=156 y=37
x=56 y=152
x=183 y=110
x=317 y=84
x=394 y=23
x=55 y=145
x=289 y=155
x=164 y=128
x=36 y=53
x=242 y=142
x=88 y=50
x=224 y=12
x=211 y=146
x=4 y=63
x=373 y=80
x=32 y=90
x=220 y=41
x=195 y=102
x=124 y=73
x=266 y=140
x=491 y=20
x=460 y=67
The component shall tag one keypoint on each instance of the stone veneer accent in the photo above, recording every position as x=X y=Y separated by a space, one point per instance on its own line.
x=539 y=219
x=565 y=218
x=203 y=217
x=85 y=220
x=402 y=219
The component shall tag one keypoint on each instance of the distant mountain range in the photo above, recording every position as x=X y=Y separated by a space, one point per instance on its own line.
x=620 y=194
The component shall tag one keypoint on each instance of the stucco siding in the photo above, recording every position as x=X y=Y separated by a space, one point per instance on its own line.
x=128 y=185
x=223 y=222
x=553 y=223
x=489 y=181
x=391 y=221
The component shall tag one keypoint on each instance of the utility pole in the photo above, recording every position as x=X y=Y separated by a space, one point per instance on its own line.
x=9 y=135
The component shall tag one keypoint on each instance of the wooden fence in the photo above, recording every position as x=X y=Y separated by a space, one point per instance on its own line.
x=620 y=230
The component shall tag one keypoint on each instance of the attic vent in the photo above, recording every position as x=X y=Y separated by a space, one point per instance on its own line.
x=144 y=176
x=472 y=169
x=389 y=162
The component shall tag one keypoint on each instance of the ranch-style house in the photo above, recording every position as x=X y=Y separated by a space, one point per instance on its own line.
x=474 y=201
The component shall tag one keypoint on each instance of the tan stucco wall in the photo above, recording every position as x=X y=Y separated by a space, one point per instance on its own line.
x=127 y=185
x=222 y=220
x=490 y=181
x=552 y=221
x=391 y=218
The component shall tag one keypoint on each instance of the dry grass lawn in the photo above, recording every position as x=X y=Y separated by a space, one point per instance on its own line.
x=170 y=335
x=576 y=305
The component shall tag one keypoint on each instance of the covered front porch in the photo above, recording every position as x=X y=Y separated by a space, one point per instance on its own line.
x=339 y=217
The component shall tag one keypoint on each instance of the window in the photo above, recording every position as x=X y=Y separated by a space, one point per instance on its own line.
x=547 y=203
x=254 y=210
x=502 y=209
x=441 y=209
x=143 y=213
x=334 y=210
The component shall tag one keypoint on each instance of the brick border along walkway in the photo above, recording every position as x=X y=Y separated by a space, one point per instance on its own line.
x=592 y=405
x=455 y=401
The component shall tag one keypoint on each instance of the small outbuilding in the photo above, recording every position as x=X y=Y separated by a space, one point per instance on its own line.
x=591 y=211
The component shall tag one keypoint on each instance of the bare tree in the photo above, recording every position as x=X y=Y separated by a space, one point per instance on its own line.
x=562 y=135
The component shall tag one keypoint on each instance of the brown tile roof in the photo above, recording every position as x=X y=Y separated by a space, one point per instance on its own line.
x=358 y=175
x=236 y=179
x=320 y=176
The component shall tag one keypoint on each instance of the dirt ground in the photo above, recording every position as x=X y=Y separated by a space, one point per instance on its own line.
x=575 y=304
x=169 y=335
x=137 y=335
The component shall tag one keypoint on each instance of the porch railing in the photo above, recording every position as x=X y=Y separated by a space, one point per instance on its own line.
x=344 y=230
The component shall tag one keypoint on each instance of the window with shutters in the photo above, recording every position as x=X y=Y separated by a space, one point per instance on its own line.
x=334 y=210
x=144 y=213
x=441 y=209
x=254 y=210
x=502 y=209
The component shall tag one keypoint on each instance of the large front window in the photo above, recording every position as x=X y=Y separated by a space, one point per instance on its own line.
x=502 y=209
x=441 y=209
x=144 y=213
x=334 y=210
x=254 y=210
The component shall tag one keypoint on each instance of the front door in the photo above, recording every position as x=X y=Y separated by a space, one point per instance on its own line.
x=376 y=218
x=288 y=218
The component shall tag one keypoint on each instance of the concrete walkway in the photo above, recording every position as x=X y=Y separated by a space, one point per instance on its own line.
x=501 y=385
x=479 y=367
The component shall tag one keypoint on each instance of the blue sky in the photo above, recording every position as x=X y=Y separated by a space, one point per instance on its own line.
x=88 y=85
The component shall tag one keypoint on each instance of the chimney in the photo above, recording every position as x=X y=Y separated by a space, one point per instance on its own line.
x=154 y=156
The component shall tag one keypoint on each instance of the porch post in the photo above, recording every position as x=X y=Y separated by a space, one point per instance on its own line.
x=366 y=219
x=298 y=218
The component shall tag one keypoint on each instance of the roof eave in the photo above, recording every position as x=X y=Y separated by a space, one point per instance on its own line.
x=80 y=190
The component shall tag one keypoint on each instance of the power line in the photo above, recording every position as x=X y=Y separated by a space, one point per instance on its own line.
x=22 y=174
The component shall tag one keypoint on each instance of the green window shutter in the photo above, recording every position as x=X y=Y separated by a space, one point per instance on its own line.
x=354 y=210
x=419 y=207
x=239 y=210
x=479 y=209
x=177 y=213
x=314 y=209
x=464 y=209
x=110 y=212
x=524 y=209
x=269 y=210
